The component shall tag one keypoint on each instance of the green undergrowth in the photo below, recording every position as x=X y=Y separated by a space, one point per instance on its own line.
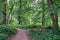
x=29 y=26
x=6 y=31
x=45 y=34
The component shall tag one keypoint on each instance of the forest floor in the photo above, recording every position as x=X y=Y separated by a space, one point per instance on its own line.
x=21 y=34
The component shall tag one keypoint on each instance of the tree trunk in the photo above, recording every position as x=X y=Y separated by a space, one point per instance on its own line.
x=4 y=12
x=19 y=21
x=43 y=20
x=53 y=15
x=55 y=20
x=10 y=15
x=43 y=14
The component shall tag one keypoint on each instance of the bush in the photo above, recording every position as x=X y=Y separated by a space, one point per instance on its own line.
x=45 y=34
x=6 y=31
x=29 y=26
x=3 y=36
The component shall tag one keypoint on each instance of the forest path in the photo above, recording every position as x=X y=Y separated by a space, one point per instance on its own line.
x=21 y=34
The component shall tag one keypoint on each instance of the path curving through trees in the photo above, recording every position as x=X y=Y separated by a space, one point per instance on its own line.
x=21 y=34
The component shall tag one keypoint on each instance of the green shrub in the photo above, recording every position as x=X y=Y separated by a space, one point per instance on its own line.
x=45 y=34
x=29 y=26
x=3 y=36
x=7 y=29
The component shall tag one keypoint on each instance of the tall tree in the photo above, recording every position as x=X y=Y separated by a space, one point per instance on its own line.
x=4 y=12
x=53 y=14
x=19 y=12
x=43 y=14
x=10 y=15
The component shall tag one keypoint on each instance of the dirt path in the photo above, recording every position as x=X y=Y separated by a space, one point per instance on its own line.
x=20 y=35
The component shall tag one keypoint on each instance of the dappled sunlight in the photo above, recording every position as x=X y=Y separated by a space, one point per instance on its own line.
x=17 y=17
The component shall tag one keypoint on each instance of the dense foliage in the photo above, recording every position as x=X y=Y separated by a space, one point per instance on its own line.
x=45 y=34
x=3 y=36
x=28 y=12
x=6 y=31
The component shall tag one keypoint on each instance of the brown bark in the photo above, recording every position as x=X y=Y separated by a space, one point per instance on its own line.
x=54 y=15
x=55 y=21
x=4 y=12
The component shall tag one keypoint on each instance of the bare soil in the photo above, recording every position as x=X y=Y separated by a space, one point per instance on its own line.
x=21 y=34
